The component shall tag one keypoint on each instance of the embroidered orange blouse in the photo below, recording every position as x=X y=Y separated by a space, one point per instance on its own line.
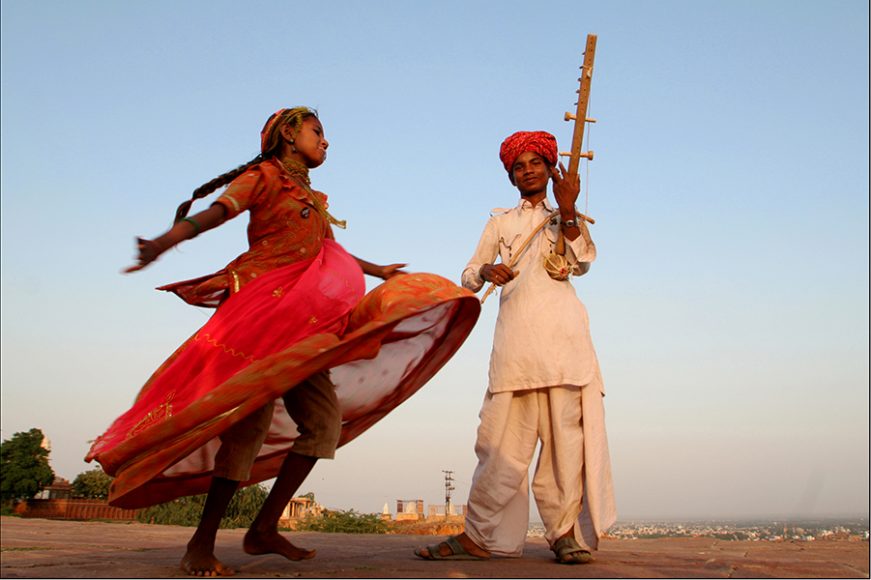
x=285 y=227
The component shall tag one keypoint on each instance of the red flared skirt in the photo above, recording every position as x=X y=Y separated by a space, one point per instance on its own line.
x=281 y=328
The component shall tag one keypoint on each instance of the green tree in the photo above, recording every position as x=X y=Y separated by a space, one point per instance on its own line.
x=244 y=507
x=186 y=511
x=183 y=511
x=24 y=468
x=93 y=484
x=344 y=522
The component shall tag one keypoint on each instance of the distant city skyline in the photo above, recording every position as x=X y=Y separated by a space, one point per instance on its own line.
x=728 y=303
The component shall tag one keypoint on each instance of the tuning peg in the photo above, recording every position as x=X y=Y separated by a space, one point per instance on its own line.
x=590 y=120
x=569 y=117
x=587 y=155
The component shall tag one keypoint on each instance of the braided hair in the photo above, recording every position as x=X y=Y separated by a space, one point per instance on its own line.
x=270 y=146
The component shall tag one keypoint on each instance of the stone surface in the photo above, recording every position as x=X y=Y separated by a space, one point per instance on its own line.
x=35 y=548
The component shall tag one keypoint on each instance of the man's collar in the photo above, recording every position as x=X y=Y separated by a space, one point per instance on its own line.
x=524 y=204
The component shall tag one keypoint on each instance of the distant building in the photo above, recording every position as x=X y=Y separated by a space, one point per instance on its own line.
x=60 y=488
x=453 y=510
x=409 y=509
x=299 y=508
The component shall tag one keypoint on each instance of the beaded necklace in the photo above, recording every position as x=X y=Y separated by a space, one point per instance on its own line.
x=300 y=172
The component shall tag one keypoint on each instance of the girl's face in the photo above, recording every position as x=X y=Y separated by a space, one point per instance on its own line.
x=309 y=142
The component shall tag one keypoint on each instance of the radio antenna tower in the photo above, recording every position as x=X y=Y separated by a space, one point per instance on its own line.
x=449 y=487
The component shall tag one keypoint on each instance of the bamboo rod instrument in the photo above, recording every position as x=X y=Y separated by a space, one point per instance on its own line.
x=580 y=116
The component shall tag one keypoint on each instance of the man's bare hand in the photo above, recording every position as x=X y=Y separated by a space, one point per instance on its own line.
x=566 y=189
x=498 y=274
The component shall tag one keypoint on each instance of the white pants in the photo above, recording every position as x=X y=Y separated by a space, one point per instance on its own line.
x=512 y=424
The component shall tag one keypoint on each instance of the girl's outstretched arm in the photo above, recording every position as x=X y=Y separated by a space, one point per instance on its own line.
x=190 y=227
x=383 y=272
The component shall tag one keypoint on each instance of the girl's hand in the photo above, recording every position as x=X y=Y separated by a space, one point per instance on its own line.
x=149 y=250
x=184 y=229
x=391 y=270
x=383 y=272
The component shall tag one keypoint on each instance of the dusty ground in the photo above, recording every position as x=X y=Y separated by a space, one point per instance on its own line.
x=35 y=548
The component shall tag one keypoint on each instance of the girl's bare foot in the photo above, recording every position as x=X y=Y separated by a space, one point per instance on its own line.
x=274 y=543
x=203 y=563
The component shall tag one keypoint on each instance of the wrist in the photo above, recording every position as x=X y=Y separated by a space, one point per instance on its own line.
x=180 y=232
x=375 y=270
x=162 y=244
x=194 y=225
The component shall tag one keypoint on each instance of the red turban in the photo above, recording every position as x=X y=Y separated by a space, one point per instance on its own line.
x=540 y=142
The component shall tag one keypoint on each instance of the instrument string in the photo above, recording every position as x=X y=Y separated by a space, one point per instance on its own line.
x=589 y=135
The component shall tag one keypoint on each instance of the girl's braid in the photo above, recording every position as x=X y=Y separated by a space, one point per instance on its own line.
x=270 y=146
x=210 y=186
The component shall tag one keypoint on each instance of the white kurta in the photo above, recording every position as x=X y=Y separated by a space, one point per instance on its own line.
x=542 y=341
x=542 y=334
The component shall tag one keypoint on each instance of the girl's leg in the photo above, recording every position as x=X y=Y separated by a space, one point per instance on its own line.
x=314 y=408
x=233 y=460
x=199 y=560
x=263 y=536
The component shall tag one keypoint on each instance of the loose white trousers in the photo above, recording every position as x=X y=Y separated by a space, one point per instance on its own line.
x=512 y=424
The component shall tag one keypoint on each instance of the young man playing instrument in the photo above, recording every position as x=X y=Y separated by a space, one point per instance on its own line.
x=545 y=383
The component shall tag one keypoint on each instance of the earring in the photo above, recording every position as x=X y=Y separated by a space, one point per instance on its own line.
x=292 y=146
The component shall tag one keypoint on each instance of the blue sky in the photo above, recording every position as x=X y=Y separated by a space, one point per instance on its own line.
x=729 y=302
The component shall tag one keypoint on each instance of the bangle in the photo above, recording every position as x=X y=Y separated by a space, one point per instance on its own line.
x=194 y=223
x=570 y=223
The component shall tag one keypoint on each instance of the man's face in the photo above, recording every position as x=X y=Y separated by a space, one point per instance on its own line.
x=530 y=173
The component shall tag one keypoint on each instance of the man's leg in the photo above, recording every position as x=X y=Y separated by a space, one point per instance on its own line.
x=498 y=505
x=558 y=481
